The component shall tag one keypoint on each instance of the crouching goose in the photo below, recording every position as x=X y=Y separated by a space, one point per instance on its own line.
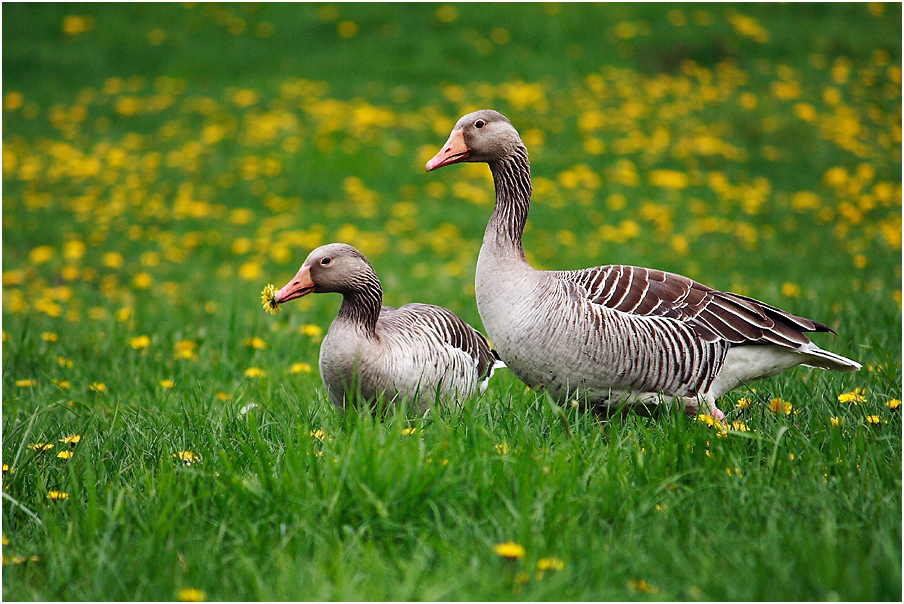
x=418 y=352
x=617 y=335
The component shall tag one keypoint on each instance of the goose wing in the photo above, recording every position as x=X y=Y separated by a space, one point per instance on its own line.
x=429 y=326
x=712 y=313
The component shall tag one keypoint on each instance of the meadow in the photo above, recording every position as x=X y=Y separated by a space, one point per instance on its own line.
x=165 y=439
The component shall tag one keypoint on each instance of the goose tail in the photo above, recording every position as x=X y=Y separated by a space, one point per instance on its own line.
x=491 y=368
x=823 y=359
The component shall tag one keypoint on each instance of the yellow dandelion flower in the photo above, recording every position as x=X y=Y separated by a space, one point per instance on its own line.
x=739 y=426
x=446 y=13
x=509 y=550
x=71 y=440
x=311 y=330
x=57 y=495
x=893 y=404
x=550 y=564
x=873 y=419
x=65 y=454
x=743 y=403
x=249 y=271
x=41 y=254
x=255 y=342
x=190 y=594
x=98 y=387
x=253 y=372
x=347 y=29
x=502 y=448
x=187 y=457
x=156 y=37
x=642 y=585
x=245 y=97
x=790 y=290
x=709 y=420
x=669 y=179
x=185 y=349
x=26 y=383
x=837 y=422
x=167 y=384
x=780 y=406
x=268 y=299
x=301 y=368
x=5 y=541
x=320 y=435
x=140 y=342
x=76 y=24
x=855 y=397
x=408 y=431
x=142 y=280
x=64 y=384
x=49 y=336
x=113 y=260
x=5 y=468
x=41 y=447
x=14 y=100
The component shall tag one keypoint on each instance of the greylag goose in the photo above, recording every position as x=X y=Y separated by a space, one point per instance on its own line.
x=418 y=352
x=616 y=335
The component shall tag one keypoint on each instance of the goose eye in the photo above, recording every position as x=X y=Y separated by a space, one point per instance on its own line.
x=479 y=124
x=325 y=261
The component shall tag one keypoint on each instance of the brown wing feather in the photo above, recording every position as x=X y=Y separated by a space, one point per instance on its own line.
x=448 y=327
x=714 y=314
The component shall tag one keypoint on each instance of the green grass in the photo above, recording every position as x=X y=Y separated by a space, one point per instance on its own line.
x=152 y=189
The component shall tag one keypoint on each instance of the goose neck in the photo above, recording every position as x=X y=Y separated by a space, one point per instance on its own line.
x=361 y=304
x=511 y=177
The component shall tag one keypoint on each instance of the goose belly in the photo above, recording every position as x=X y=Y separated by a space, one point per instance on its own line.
x=572 y=347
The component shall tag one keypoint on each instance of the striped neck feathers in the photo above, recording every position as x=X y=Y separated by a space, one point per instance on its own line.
x=511 y=177
x=361 y=302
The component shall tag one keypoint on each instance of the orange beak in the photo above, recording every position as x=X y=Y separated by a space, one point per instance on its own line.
x=300 y=285
x=452 y=152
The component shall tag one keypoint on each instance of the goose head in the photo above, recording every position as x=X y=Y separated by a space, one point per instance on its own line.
x=336 y=267
x=482 y=136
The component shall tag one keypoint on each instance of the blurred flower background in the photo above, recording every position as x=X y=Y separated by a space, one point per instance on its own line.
x=162 y=163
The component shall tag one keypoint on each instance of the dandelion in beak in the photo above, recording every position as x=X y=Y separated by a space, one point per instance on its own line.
x=268 y=299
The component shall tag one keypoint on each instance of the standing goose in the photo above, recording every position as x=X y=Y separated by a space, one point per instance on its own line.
x=418 y=352
x=614 y=334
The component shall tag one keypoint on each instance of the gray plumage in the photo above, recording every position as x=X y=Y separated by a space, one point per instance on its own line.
x=419 y=352
x=614 y=334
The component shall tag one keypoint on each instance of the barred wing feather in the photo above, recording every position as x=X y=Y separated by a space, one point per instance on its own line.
x=712 y=313
x=442 y=328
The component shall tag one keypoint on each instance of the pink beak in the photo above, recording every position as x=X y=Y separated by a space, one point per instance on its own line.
x=452 y=152
x=300 y=285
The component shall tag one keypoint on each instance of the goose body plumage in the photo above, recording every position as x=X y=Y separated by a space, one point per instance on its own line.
x=419 y=353
x=615 y=335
